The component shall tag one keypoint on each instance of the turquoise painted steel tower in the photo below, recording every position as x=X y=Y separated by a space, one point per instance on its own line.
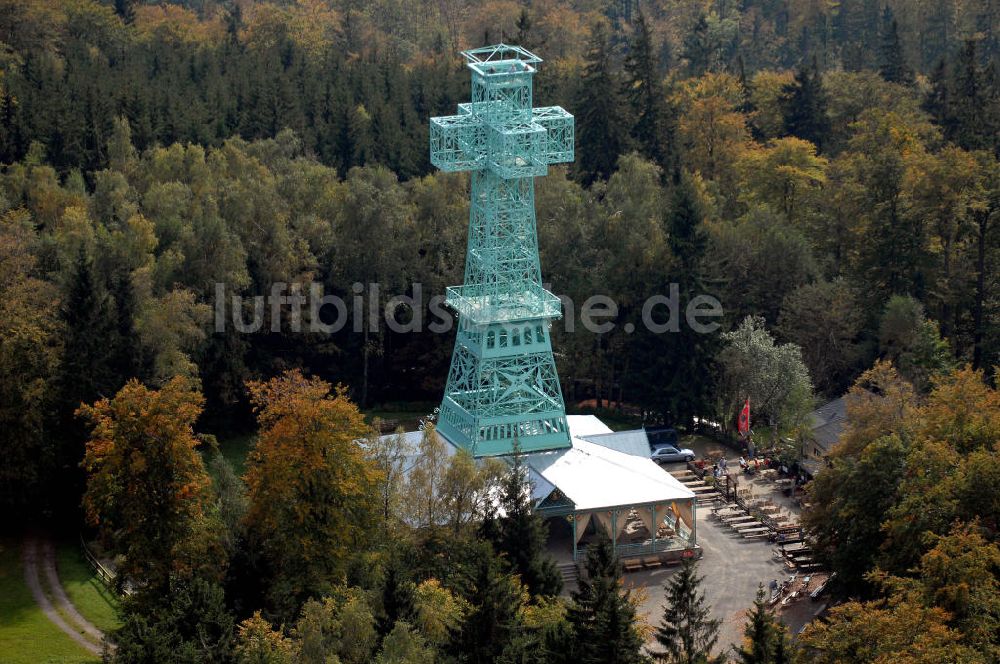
x=503 y=384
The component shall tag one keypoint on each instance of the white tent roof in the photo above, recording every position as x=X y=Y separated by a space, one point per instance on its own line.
x=593 y=476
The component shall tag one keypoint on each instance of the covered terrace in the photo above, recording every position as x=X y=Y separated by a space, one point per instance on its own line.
x=606 y=484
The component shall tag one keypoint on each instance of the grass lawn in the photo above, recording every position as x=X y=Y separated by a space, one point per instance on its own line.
x=26 y=635
x=86 y=592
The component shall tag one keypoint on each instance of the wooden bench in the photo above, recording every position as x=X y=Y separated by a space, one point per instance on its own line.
x=651 y=562
x=632 y=565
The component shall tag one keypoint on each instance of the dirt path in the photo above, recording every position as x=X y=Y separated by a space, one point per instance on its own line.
x=39 y=556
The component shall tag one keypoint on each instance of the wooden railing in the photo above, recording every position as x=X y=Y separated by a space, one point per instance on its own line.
x=107 y=576
x=644 y=548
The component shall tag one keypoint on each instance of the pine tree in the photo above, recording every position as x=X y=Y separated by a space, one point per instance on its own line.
x=600 y=130
x=521 y=536
x=804 y=106
x=602 y=615
x=892 y=60
x=645 y=94
x=686 y=632
x=765 y=639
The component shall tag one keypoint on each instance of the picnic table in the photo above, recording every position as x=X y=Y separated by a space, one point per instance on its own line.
x=788 y=527
x=795 y=548
x=747 y=526
x=752 y=533
x=744 y=523
x=739 y=519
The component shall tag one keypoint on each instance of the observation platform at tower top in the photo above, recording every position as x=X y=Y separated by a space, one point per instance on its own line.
x=501 y=60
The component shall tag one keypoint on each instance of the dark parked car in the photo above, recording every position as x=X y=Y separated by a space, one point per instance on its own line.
x=661 y=437
x=670 y=454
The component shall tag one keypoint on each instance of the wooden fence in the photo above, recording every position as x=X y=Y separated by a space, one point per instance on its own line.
x=107 y=576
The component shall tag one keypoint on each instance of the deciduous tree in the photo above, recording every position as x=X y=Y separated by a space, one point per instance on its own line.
x=824 y=320
x=147 y=488
x=312 y=491
x=772 y=376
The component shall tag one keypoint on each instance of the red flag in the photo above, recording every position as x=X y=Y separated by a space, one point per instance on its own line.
x=744 y=422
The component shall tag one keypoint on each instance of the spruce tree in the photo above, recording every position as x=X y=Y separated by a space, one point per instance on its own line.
x=493 y=620
x=127 y=358
x=602 y=615
x=125 y=10
x=937 y=103
x=747 y=106
x=397 y=597
x=892 y=60
x=520 y=535
x=698 y=48
x=972 y=120
x=966 y=97
x=686 y=633
x=651 y=130
x=600 y=132
x=693 y=352
x=669 y=369
x=524 y=32
x=804 y=106
x=765 y=639
x=91 y=334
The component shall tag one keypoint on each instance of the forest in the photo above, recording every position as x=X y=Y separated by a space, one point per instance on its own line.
x=828 y=171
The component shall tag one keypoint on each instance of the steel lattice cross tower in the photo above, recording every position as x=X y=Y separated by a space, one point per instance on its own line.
x=503 y=384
